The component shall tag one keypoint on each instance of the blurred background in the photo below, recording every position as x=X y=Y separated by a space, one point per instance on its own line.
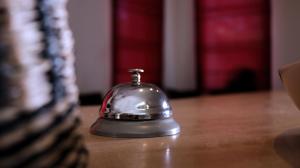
x=186 y=47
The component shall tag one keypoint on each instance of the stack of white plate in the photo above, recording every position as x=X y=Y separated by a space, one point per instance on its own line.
x=38 y=93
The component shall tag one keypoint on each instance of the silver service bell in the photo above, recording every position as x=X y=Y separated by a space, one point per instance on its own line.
x=135 y=110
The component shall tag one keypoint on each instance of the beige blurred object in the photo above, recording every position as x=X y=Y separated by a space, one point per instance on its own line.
x=290 y=76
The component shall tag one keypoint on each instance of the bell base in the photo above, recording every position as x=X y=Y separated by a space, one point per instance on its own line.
x=135 y=129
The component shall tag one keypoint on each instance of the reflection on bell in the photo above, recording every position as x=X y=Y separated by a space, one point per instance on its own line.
x=135 y=110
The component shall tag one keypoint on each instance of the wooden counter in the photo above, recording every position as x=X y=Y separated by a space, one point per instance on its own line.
x=235 y=131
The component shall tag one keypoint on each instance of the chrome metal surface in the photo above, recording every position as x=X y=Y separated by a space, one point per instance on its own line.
x=135 y=76
x=134 y=101
x=135 y=109
x=135 y=129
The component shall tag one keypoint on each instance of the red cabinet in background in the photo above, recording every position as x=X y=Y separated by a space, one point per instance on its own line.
x=137 y=39
x=233 y=41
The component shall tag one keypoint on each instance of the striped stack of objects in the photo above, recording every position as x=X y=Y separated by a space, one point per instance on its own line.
x=38 y=95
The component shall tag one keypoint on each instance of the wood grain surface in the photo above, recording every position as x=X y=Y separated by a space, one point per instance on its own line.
x=250 y=130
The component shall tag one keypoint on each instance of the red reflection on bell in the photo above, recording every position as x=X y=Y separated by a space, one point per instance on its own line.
x=104 y=104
